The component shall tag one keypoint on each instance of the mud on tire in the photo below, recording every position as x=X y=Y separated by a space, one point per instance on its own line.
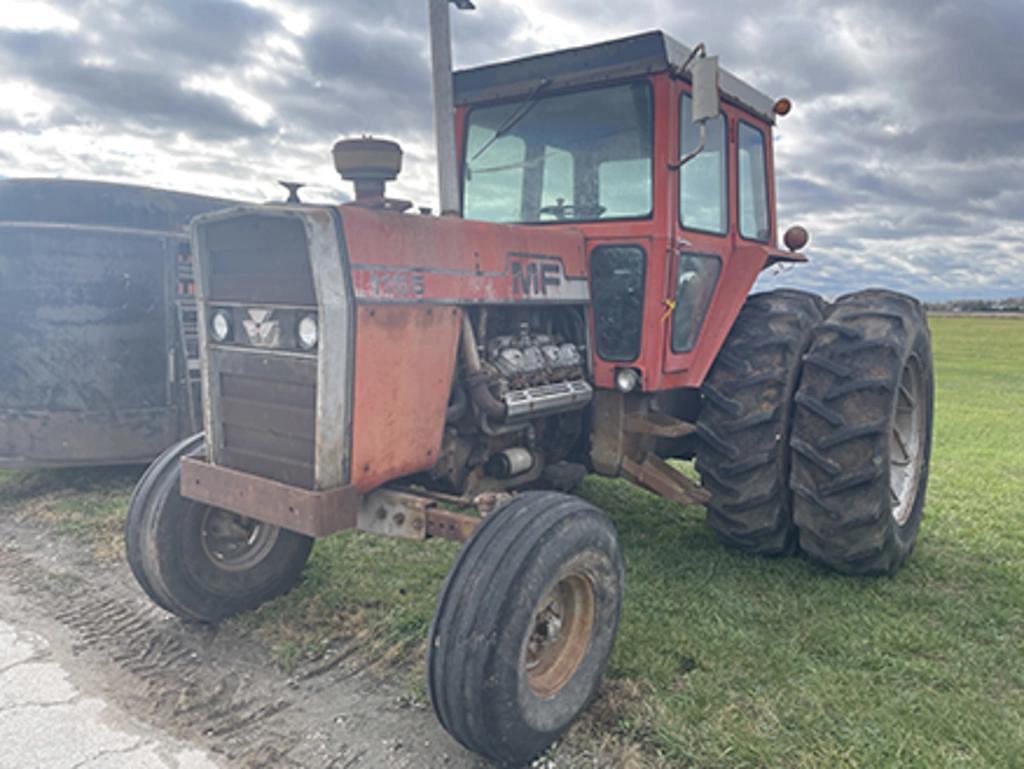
x=524 y=625
x=861 y=437
x=743 y=459
x=199 y=562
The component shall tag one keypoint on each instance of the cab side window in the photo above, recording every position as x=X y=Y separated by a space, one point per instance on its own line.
x=703 y=184
x=753 y=181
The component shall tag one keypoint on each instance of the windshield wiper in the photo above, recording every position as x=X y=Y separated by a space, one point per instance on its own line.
x=515 y=117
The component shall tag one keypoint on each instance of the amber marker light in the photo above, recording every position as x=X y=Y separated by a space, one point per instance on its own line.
x=782 y=107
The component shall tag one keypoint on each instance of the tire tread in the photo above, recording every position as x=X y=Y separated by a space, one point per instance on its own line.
x=744 y=421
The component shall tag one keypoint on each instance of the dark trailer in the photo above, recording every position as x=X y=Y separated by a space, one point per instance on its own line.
x=98 y=353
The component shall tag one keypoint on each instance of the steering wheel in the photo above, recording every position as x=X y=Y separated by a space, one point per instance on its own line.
x=562 y=210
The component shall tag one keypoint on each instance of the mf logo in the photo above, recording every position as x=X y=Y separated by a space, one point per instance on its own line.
x=535 y=277
x=261 y=329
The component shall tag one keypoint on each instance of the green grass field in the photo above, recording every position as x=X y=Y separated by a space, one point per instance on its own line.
x=725 y=660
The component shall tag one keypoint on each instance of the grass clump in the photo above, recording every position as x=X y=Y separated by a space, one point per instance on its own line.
x=88 y=504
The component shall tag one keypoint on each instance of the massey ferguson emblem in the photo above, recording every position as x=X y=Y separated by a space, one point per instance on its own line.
x=261 y=329
x=535 y=277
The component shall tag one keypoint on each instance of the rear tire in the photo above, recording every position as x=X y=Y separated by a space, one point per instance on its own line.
x=200 y=562
x=524 y=625
x=744 y=422
x=862 y=434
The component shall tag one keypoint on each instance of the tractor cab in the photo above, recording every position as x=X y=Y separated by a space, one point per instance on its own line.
x=595 y=139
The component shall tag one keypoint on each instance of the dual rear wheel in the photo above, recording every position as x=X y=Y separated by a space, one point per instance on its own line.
x=816 y=429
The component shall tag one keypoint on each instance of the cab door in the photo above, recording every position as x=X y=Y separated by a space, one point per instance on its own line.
x=711 y=270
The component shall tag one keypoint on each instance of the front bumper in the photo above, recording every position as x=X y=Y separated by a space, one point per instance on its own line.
x=314 y=513
x=319 y=513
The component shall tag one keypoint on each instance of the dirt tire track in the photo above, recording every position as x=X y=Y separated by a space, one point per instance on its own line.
x=212 y=685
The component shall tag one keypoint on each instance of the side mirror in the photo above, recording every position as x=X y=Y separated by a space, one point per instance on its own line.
x=705 y=88
x=704 y=84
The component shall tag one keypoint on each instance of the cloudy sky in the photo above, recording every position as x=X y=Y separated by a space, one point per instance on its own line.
x=904 y=155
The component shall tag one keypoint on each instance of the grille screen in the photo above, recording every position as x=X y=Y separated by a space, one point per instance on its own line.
x=254 y=258
x=266 y=408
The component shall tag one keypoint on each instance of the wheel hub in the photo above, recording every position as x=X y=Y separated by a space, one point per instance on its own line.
x=234 y=542
x=560 y=634
x=906 y=442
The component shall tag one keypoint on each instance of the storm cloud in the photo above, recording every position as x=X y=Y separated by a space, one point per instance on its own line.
x=904 y=155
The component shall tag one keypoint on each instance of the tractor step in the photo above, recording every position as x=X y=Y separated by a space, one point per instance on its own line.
x=657 y=475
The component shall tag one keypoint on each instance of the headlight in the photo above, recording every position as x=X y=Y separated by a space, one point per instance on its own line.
x=220 y=326
x=308 y=332
x=626 y=379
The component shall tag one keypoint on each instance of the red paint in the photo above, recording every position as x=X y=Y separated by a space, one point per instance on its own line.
x=403 y=257
x=409 y=258
x=404 y=362
x=662 y=236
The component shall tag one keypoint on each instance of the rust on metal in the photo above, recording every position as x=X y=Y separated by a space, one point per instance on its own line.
x=447 y=525
x=314 y=513
x=657 y=475
x=658 y=425
x=395 y=514
x=561 y=634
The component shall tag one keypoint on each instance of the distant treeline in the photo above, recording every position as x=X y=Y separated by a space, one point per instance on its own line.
x=1013 y=304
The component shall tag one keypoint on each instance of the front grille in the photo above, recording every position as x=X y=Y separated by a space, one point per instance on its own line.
x=265 y=407
x=262 y=401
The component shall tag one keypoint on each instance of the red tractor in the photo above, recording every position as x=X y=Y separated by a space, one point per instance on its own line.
x=585 y=310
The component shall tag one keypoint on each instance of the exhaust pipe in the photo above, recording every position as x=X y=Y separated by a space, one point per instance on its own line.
x=444 y=102
x=479 y=391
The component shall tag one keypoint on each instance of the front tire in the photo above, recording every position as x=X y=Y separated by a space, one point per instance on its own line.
x=744 y=422
x=524 y=625
x=200 y=562
x=862 y=435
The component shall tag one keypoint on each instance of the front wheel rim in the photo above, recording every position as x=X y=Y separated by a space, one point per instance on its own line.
x=234 y=542
x=560 y=633
x=907 y=440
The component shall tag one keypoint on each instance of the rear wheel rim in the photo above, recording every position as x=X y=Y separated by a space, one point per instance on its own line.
x=560 y=634
x=906 y=441
x=234 y=542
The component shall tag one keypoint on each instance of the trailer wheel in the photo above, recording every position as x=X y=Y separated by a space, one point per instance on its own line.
x=524 y=625
x=862 y=434
x=200 y=562
x=744 y=422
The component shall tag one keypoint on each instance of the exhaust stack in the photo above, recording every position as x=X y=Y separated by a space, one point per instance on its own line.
x=444 y=102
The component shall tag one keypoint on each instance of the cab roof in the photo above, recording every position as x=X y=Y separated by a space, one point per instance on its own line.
x=643 y=54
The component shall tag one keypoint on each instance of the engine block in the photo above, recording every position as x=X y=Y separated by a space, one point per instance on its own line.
x=533 y=359
x=537 y=374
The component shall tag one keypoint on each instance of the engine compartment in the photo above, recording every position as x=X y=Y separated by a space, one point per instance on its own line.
x=517 y=406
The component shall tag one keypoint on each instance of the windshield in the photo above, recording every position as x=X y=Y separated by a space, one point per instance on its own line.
x=579 y=156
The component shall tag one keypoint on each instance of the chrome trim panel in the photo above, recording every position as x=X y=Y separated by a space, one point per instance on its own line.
x=546 y=399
